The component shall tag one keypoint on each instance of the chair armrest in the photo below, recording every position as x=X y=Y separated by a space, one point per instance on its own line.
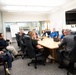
x=38 y=55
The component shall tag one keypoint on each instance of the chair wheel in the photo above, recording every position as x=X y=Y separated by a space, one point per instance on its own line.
x=67 y=73
x=35 y=67
x=44 y=64
x=28 y=64
x=22 y=56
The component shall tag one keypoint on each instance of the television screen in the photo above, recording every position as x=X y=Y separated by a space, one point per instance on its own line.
x=70 y=17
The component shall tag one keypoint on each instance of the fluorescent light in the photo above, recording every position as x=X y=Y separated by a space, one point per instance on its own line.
x=34 y=2
x=30 y=5
x=26 y=8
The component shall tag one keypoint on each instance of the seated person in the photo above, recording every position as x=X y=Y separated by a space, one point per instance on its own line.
x=68 y=42
x=34 y=40
x=9 y=46
x=5 y=55
x=34 y=30
x=39 y=48
x=42 y=34
x=63 y=34
x=54 y=34
x=29 y=33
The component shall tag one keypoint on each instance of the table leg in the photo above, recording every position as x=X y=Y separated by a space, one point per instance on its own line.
x=53 y=55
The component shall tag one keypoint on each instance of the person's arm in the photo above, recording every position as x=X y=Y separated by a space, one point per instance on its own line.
x=63 y=42
x=39 y=46
x=4 y=43
x=35 y=44
x=1 y=52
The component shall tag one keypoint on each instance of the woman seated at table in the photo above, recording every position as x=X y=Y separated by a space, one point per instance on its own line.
x=34 y=40
x=35 y=44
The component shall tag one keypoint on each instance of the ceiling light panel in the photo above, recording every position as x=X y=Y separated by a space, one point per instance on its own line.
x=26 y=8
x=33 y=2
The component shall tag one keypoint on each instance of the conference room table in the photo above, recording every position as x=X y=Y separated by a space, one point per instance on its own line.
x=51 y=45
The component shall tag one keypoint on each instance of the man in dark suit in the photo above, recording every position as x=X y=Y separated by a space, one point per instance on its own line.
x=68 y=42
x=5 y=54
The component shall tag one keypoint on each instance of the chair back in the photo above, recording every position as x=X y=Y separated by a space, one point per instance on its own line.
x=73 y=53
x=30 y=48
x=17 y=39
x=4 y=64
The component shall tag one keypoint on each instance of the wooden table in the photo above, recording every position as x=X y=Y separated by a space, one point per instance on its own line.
x=49 y=43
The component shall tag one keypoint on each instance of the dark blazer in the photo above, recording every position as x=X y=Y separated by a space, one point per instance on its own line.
x=3 y=44
x=68 y=41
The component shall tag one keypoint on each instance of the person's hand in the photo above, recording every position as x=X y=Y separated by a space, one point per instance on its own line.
x=38 y=39
x=39 y=46
x=4 y=38
x=10 y=41
x=1 y=52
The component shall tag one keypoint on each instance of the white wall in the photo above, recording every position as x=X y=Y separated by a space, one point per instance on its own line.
x=1 y=26
x=57 y=18
x=21 y=17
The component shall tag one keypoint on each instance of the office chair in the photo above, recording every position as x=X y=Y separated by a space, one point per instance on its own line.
x=24 y=48
x=4 y=65
x=48 y=32
x=17 y=39
x=35 y=57
x=72 y=59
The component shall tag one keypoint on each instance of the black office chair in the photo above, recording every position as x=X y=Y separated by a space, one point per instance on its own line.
x=71 y=57
x=23 y=47
x=48 y=32
x=36 y=57
x=3 y=63
x=17 y=39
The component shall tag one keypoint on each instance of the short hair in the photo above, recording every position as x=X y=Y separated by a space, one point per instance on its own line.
x=29 y=32
x=0 y=34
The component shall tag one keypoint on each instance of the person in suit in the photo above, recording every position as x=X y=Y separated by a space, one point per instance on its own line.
x=5 y=54
x=68 y=43
x=9 y=47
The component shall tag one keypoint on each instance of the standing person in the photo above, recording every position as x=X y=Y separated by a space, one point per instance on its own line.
x=68 y=42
